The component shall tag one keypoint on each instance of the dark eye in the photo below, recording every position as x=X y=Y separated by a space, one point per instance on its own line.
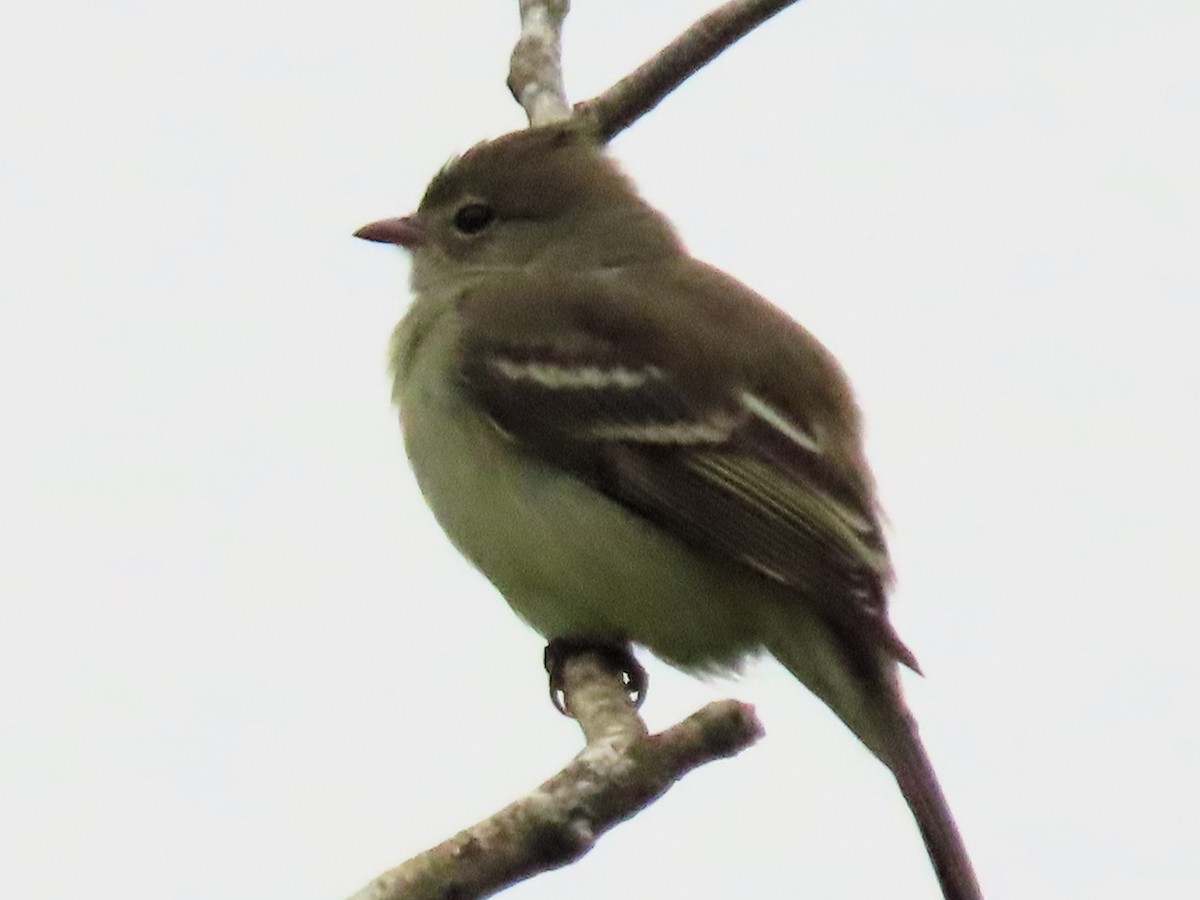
x=473 y=218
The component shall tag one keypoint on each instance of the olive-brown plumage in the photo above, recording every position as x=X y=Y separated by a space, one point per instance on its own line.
x=632 y=445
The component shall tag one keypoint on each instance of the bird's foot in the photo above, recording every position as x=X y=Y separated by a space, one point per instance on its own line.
x=617 y=655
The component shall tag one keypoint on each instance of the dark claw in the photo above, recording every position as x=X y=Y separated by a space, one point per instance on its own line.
x=619 y=657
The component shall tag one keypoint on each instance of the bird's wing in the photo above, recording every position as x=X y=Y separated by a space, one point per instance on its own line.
x=625 y=406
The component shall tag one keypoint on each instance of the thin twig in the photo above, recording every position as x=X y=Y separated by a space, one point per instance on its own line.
x=618 y=773
x=639 y=92
x=535 y=71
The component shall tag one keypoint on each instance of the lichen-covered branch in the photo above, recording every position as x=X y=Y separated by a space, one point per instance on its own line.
x=639 y=92
x=620 y=771
x=535 y=71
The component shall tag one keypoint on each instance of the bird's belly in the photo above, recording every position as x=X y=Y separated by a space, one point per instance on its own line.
x=569 y=560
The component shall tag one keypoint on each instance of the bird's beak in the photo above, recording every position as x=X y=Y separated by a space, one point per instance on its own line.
x=404 y=231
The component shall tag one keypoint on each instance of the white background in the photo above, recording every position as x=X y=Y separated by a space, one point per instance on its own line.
x=237 y=657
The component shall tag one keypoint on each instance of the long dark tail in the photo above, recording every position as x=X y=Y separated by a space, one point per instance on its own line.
x=862 y=688
x=910 y=764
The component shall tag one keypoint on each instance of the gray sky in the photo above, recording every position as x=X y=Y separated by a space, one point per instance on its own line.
x=238 y=658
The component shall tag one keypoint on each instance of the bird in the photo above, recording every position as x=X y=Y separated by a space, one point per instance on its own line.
x=636 y=448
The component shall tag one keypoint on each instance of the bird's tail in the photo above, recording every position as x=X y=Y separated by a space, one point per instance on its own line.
x=866 y=696
x=910 y=764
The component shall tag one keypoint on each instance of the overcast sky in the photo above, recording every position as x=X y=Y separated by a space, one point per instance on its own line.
x=238 y=659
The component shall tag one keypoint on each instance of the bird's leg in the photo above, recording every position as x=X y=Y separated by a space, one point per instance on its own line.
x=618 y=655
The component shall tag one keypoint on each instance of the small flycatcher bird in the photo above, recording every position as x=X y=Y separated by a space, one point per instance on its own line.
x=634 y=447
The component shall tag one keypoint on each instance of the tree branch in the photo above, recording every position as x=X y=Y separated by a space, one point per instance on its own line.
x=535 y=70
x=639 y=92
x=619 y=772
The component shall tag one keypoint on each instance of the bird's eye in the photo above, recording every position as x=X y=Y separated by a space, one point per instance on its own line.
x=473 y=218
